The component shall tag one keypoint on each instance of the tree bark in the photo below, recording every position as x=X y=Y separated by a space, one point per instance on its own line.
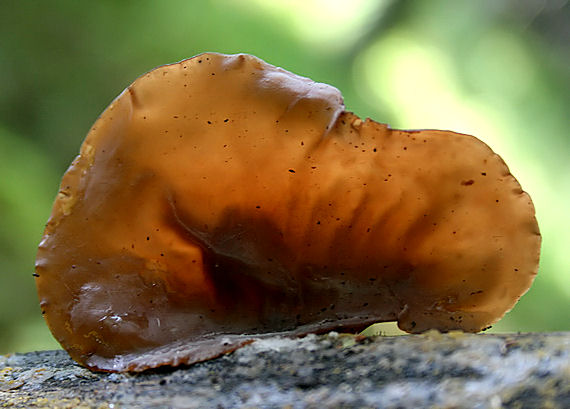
x=453 y=370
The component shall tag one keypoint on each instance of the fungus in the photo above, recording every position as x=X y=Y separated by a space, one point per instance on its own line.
x=205 y=211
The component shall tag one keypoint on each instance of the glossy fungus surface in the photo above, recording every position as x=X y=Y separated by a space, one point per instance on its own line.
x=220 y=198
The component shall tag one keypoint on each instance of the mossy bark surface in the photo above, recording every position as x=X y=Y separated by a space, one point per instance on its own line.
x=453 y=370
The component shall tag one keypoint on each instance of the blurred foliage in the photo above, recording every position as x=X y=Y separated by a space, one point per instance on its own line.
x=498 y=69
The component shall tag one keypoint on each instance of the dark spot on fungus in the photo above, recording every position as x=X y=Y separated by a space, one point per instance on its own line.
x=228 y=273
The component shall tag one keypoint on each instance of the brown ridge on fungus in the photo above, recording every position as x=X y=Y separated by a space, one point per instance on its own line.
x=204 y=211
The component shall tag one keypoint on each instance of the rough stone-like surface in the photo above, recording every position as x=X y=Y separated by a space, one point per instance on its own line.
x=452 y=370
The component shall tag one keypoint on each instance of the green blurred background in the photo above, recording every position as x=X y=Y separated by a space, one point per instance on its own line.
x=497 y=69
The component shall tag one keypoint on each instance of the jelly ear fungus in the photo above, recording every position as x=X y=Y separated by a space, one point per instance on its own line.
x=221 y=199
